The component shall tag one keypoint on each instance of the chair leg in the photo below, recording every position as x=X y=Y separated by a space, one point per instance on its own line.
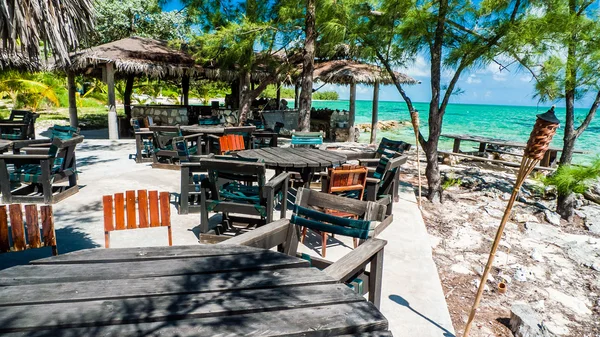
x=303 y=234
x=203 y=212
x=324 y=248
x=355 y=240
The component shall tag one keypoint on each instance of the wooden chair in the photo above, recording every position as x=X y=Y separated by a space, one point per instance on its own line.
x=40 y=173
x=125 y=208
x=236 y=186
x=385 y=180
x=57 y=131
x=166 y=154
x=387 y=148
x=231 y=143
x=144 y=144
x=214 y=142
x=30 y=226
x=307 y=139
x=19 y=126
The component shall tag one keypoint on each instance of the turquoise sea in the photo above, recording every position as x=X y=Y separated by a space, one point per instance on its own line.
x=499 y=121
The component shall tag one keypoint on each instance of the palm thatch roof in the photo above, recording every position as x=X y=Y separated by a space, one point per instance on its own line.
x=59 y=24
x=138 y=56
x=347 y=72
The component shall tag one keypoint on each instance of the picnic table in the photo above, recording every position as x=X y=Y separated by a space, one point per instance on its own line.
x=201 y=290
x=302 y=160
x=549 y=158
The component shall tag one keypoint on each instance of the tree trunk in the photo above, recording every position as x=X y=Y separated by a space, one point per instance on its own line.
x=375 y=112
x=352 y=113
x=73 y=119
x=432 y=171
x=308 y=67
x=565 y=205
x=245 y=98
x=127 y=95
x=185 y=90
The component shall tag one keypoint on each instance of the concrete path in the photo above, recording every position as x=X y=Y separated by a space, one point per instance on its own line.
x=412 y=298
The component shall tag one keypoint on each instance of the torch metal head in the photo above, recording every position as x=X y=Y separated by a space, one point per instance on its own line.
x=541 y=135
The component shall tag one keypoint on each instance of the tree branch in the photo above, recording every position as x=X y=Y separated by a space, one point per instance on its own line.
x=590 y=115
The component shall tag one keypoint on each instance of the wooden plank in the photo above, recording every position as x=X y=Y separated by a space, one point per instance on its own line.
x=371 y=334
x=165 y=209
x=48 y=232
x=143 y=208
x=130 y=207
x=169 y=285
x=119 y=211
x=4 y=241
x=153 y=204
x=33 y=226
x=328 y=320
x=95 y=255
x=266 y=237
x=36 y=274
x=351 y=263
x=167 y=308
x=107 y=204
x=494 y=161
x=18 y=229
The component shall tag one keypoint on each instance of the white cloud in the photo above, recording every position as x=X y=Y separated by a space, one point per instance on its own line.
x=419 y=68
x=473 y=79
x=526 y=78
x=500 y=77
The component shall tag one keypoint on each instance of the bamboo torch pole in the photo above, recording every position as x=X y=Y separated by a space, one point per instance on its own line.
x=414 y=117
x=539 y=141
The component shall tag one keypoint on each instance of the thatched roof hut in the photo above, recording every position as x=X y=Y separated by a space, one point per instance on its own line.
x=347 y=72
x=59 y=24
x=138 y=56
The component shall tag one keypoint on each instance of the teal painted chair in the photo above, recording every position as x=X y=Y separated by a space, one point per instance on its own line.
x=214 y=120
x=36 y=174
x=143 y=142
x=240 y=187
x=165 y=152
x=310 y=139
x=40 y=146
x=385 y=179
x=362 y=219
x=19 y=126
x=387 y=148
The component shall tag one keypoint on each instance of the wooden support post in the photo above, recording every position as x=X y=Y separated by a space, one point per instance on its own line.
x=278 y=95
x=113 y=127
x=375 y=113
x=185 y=90
x=73 y=120
x=352 y=112
x=127 y=95
x=296 y=96
x=456 y=147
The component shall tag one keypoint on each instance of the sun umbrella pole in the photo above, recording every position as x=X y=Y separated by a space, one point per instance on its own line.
x=539 y=141
x=414 y=116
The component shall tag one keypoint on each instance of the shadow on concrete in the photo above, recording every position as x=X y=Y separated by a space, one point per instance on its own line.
x=314 y=241
x=68 y=239
x=401 y=301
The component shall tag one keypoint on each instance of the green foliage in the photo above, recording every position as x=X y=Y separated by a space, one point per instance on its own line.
x=326 y=95
x=31 y=90
x=271 y=92
x=117 y=19
x=450 y=181
x=573 y=179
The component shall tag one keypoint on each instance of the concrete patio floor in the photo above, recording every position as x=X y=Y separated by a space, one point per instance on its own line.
x=412 y=298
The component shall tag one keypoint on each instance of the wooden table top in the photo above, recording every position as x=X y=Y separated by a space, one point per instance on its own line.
x=209 y=129
x=5 y=144
x=201 y=290
x=497 y=141
x=294 y=157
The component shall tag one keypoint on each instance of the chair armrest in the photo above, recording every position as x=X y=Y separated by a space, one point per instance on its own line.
x=368 y=161
x=18 y=144
x=144 y=133
x=195 y=135
x=350 y=264
x=266 y=237
x=26 y=156
x=371 y=181
x=35 y=150
x=213 y=136
x=278 y=181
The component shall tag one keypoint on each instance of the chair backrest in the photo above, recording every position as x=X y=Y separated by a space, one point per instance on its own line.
x=121 y=207
x=20 y=115
x=389 y=148
x=64 y=132
x=348 y=180
x=63 y=151
x=136 y=124
x=386 y=170
x=234 y=170
x=163 y=136
x=29 y=228
x=308 y=212
x=214 y=120
x=230 y=143
x=307 y=138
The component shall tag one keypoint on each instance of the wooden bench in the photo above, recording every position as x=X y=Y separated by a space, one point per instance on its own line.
x=307 y=138
x=493 y=161
x=116 y=208
x=17 y=225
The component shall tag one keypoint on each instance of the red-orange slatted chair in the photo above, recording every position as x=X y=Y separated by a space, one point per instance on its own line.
x=231 y=143
x=348 y=181
x=31 y=226
x=125 y=208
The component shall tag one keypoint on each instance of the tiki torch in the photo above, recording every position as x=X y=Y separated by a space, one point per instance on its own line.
x=539 y=141
x=414 y=116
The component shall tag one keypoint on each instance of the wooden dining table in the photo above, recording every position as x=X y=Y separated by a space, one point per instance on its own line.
x=201 y=290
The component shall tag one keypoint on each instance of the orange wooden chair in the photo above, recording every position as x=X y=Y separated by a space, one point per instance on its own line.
x=31 y=225
x=148 y=212
x=231 y=143
x=348 y=181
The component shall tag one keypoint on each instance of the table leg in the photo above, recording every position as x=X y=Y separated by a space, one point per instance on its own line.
x=456 y=147
x=482 y=147
x=138 y=148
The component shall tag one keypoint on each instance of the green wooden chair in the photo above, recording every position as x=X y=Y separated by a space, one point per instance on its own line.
x=235 y=186
x=307 y=139
x=144 y=146
x=19 y=126
x=40 y=146
x=36 y=175
x=166 y=154
x=385 y=180
x=387 y=148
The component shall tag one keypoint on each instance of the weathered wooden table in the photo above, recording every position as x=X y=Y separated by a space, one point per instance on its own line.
x=549 y=158
x=5 y=145
x=202 y=290
x=302 y=160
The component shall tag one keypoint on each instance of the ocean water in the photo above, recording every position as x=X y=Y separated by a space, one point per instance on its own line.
x=512 y=123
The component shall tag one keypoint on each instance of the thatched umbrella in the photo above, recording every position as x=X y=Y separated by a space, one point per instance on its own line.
x=352 y=73
x=130 y=57
x=59 y=24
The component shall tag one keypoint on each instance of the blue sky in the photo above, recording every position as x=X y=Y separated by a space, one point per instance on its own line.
x=487 y=85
